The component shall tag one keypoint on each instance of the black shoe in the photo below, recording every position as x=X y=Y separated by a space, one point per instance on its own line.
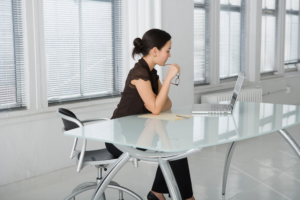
x=151 y=196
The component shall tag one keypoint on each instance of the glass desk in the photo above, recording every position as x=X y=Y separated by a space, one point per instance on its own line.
x=173 y=140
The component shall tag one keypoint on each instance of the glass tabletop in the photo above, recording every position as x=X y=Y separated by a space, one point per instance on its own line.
x=202 y=130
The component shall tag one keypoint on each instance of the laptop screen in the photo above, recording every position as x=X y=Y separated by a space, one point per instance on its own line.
x=237 y=89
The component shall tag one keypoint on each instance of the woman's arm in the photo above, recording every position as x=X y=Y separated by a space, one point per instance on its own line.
x=153 y=103
x=167 y=106
x=168 y=103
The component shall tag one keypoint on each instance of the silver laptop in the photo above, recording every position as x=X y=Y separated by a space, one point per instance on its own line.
x=221 y=108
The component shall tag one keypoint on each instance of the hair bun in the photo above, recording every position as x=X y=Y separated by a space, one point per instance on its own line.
x=138 y=43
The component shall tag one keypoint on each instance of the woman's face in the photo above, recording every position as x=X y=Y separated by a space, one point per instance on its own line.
x=163 y=54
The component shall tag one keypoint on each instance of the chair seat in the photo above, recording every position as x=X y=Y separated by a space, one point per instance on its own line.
x=97 y=155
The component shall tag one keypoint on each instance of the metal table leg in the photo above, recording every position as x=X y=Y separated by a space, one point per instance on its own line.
x=170 y=179
x=229 y=154
x=162 y=158
x=291 y=141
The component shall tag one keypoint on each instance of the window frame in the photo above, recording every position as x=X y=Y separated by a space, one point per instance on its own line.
x=214 y=80
x=36 y=71
x=81 y=97
x=280 y=43
x=252 y=41
x=35 y=61
x=235 y=8
x=22 y=88
x=292 y=12
x=214 y=59
x=272 y=12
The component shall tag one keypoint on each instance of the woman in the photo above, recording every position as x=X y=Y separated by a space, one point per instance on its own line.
x=144 y=93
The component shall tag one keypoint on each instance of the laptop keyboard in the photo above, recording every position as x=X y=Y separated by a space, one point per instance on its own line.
x=220 y=107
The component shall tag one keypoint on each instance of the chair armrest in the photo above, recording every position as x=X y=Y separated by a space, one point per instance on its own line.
x=93 y=120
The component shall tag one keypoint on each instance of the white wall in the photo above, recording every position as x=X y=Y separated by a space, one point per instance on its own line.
x=34 y=145
x=178 y=20
x=271 y=86
x=274 y=90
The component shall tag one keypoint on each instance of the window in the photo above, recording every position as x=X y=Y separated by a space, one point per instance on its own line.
x=232 y=38
x=268 y=36
x=201 y=41
x=12 y=77
x=291 y=55
x=83 y=49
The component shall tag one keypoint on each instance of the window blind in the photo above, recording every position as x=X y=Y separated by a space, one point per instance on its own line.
x=269 y=34
x=12 y=77
x=201 y=41
x=291 y=55
x=83 y=42
x=232 y=39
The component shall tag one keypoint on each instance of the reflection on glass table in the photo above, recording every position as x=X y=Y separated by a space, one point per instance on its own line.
x=249 y=120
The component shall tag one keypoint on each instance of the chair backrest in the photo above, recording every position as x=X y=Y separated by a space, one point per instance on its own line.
x=70 y=122
x=69 y=125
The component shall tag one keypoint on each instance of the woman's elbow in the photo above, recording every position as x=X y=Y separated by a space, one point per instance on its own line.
x=169 y=104
x=152 y=109
x=156 y=112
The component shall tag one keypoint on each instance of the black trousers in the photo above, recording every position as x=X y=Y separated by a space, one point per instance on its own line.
x=180 y=170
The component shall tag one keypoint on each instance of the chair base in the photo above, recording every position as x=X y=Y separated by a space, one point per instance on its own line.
x=92 y=185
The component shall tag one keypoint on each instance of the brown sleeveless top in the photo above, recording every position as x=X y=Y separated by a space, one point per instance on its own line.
x=131 y=103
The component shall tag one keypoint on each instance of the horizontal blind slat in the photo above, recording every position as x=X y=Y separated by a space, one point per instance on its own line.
x=231 y=25
x=291 y=33
x=268 y=37
x=201 y=43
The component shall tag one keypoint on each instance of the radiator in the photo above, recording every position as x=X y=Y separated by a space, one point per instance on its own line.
x=247 y=95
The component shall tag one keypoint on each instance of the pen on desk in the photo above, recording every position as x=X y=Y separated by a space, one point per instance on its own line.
x=182 y=116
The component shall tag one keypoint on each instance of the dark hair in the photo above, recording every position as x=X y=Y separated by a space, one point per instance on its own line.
x=152 y=38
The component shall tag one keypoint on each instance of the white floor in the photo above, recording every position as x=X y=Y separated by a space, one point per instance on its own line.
x=262 y=168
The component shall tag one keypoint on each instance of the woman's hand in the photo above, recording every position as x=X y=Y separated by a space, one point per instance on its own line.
x=173 y=70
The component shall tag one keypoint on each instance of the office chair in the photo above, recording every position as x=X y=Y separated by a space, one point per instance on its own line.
x=100 y=158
